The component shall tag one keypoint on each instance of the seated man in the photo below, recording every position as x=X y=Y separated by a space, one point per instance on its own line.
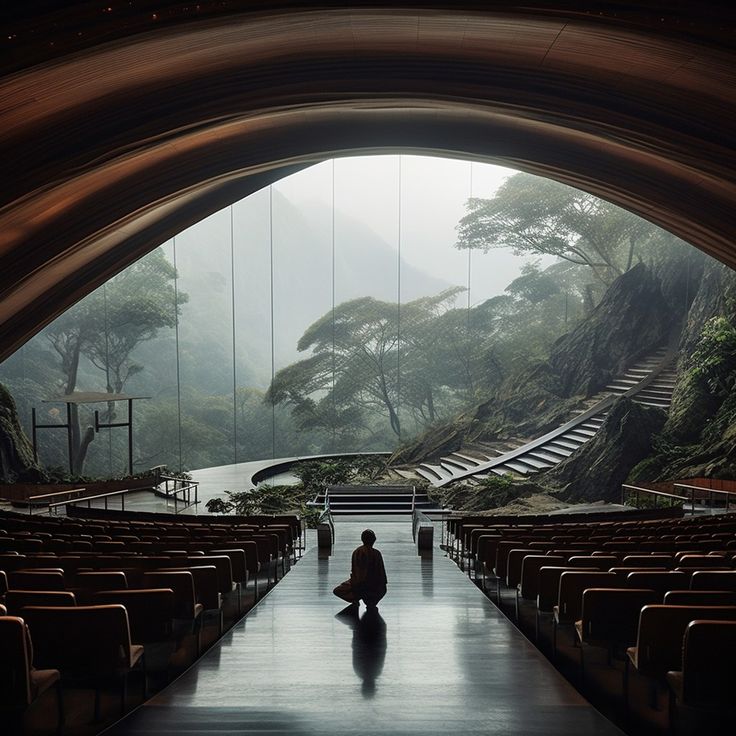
x=367 y=574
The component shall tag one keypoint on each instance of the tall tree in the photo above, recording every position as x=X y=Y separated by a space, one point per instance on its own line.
x=534 y=215
x=107 y=326
x=367 y=358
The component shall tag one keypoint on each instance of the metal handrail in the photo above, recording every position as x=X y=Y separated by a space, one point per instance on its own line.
x=184 y=489
x=107 y=495
x=709 y=491
x=50 y=495
x=638 y=490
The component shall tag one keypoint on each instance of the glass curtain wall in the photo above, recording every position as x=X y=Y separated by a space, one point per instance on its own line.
x=327 y=313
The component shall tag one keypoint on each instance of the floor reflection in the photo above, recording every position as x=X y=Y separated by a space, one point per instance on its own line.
x=369 y=645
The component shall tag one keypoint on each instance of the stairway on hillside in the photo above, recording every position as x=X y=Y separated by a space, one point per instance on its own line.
x=382 y=500
x=649 y=381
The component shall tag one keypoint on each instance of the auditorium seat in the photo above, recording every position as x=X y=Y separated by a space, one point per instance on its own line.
x=659 y=639
x=150 y=611
x=36 y=580
x=659 y=581
x=713 y=580
x=528 y=587
x=570 y=596
x=703 y=680
x=20 y=682
x=610 y=618
x=16 y=600
x=90 y=644
x=549 y=587
x=186 y=607
x=700 y=598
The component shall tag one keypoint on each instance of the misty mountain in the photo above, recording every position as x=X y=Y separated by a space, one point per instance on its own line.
x=365 y=265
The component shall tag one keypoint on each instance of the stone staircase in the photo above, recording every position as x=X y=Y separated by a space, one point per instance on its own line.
x=650 y=381
x=380 y=500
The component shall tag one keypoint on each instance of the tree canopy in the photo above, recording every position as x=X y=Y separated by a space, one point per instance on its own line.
x=370 y=357
x=106 y=327
x=530 y=214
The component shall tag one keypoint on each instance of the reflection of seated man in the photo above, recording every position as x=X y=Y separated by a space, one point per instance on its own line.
x=367 y=574
x=369 y=650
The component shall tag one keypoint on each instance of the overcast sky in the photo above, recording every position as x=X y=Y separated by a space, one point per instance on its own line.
x=433 y=196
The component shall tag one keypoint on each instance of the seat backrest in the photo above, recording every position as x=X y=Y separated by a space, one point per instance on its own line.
x=570 y=592
x=701 y=562
x=182 y=583
x=549 y=585
x=708 y=672
x=661 y=631
x=150 y=611
x=15 y=664
x=36 y=580
x=3 y=582
x=16 y=600
x=624 y=572
x=502 y=555
x=700 y=598
x=713 y=580
x=486 y=550
x=598 y=562
x=250 y=548
x=82 y=639
x=612 y=614
x=653 y=560
x=206 y=589
x=659 y=581
x=530 y=567
x=514 y=563
x=223 y=565
x=237 y=562
x=103 y=580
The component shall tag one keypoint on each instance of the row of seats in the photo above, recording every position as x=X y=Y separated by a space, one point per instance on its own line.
x=90 y=596
x=660 y=592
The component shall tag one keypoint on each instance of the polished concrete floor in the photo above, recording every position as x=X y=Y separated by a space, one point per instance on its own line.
x=437 y=658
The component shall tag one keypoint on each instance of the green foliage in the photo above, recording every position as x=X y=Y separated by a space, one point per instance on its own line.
x=316 y=475
x=366 y=363
x=530 y=214
x=264 y=499
x=496 y=483
x=714 y=357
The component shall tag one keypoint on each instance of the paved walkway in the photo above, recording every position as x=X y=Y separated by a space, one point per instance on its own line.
x=439 y=658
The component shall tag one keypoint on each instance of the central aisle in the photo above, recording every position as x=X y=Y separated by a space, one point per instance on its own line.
x=438 y=658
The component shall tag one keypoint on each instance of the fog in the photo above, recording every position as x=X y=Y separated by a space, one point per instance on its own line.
x=416 y=201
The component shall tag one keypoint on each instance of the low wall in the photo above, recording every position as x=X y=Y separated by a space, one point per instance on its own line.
x=21 y=491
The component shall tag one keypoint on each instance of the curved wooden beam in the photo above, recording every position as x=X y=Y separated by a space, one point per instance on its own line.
x=116 y=148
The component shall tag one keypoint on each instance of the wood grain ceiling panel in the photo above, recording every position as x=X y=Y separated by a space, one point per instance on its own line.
x=106 y=147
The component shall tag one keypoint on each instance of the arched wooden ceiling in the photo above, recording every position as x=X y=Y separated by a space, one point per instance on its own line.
x=136 y=127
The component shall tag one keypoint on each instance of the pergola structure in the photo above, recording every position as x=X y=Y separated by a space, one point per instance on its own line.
x=80 y=398
x=123 y=123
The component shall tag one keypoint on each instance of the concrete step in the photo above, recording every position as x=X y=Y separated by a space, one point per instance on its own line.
x=575 y=436
x=563 y=445
x=468 y=458
x=548 y=454
x=452 y=465
x=535 y=462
